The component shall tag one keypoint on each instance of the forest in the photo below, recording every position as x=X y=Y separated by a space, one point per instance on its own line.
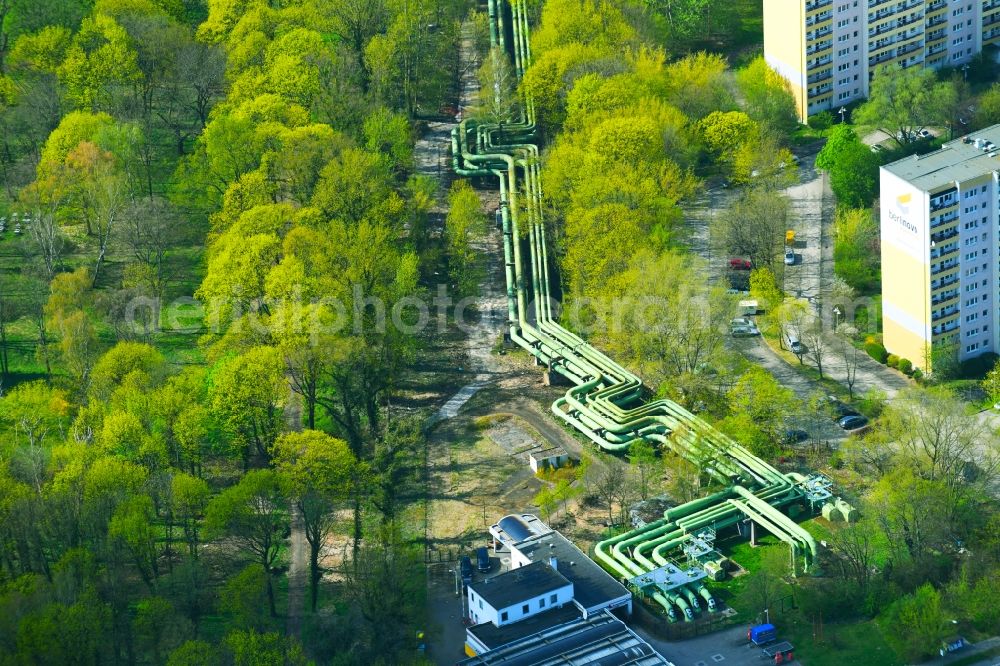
x=189 y=190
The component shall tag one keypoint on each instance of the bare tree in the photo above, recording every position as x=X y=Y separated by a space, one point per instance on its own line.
x=754 y=227
x=148 y=229
x=816 y=342
x=940 y=441
x=203 y=67
x=850 y=355
x=856 y=543
x=611 y=488
x=45 y=234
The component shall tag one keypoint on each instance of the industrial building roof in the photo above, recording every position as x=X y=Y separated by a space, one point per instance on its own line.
x=592 y=585
x=954 y=161
x=600 y=639
x=518 y=585
x=493 y=636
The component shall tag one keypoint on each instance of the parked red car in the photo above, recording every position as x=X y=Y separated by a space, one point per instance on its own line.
x=738 y=264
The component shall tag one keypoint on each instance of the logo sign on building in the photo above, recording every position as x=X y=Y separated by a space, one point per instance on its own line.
x=902 y=231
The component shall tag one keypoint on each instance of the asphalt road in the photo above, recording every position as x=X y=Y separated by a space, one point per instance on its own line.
x=722 y=648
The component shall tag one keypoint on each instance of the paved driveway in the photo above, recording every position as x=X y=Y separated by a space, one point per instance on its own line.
x=722 y=648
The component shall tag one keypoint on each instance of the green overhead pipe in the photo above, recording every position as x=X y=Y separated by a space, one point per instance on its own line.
x=607 y=403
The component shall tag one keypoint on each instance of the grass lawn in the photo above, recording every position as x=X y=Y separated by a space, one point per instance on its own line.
x=856 y=643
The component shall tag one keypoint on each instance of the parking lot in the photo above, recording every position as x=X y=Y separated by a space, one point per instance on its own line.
x=725 y=648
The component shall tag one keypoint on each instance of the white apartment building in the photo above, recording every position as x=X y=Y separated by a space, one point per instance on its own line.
x=941 y=249
x=829 y=50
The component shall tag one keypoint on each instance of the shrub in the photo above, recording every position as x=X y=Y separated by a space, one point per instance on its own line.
x=821 y=121
x=905 y=366
x=892 y=361
x=918 y=374
x=977 y=367
x=876 y=351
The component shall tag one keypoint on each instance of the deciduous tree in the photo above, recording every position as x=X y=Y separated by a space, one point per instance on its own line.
x=253 y=514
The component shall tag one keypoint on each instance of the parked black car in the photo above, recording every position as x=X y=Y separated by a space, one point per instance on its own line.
x=465 y=567
x=483 y=559
x=794 y=436
x=841 y=409
x=852 y=422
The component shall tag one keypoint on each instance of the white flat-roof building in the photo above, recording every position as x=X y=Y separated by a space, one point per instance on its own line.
x=941 y=250
x=518 y=594
x=550 y=582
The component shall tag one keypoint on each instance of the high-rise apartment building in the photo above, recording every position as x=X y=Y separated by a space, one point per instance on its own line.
x=940 y=232
x=828 y=50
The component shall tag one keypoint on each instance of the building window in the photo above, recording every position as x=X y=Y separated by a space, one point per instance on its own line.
x=525 y=609
x=503 y=616
x=552 y=599
x=480 y=604
x=541 y=603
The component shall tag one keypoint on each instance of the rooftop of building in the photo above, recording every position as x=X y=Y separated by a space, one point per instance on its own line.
x=493 y=636
x=600 y=639
x=517 y=527
x=592 y=585
x=954 y=161
x=517 y=585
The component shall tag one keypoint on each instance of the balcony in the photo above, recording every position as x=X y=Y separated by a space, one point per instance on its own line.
x=817 y=4
x=947 y=328
x=912 y=18
x=991 y=19
x=936 y=5
x=880 y=59
x=946 y=266
x=942 y=201
x=944 y=235
x=937 y=20
x=819 y=18
x=909 y=48
x=944 y=298
x=820 y=62
x=944 y=314
x=822 y=76
x=874 y=17
x=818 y=48
x=881 y=44
x=947 y=282
x=939 y=254
x=819 y=34
x=885 y=27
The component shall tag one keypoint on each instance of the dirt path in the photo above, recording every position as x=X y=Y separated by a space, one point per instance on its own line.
x=298 y=568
